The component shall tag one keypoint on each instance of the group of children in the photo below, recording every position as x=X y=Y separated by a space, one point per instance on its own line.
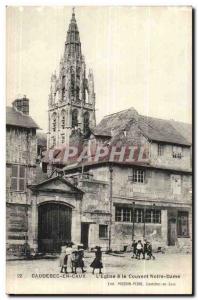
x=72 y=257
x=142 y=248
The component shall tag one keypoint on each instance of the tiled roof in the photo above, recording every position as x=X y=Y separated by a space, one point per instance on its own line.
x=17 y=118
x=185 y=129
x=154 y=129
x=117 y=121
x=161 y=130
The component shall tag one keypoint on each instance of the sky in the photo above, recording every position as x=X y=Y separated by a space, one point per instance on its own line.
x=140 y=57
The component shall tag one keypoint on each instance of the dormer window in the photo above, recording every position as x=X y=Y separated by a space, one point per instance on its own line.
x=177 y=152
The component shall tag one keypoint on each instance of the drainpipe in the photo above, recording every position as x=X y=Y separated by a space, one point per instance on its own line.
x=144 y=222
x=26 y=191
x=110 y=202
x=133 y=218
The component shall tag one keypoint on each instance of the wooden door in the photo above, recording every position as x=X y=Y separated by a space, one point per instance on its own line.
x=54 y=227
x=172 y=232
x=85 y=235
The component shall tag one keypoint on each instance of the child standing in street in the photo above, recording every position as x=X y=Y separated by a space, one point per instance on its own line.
x=97 y=262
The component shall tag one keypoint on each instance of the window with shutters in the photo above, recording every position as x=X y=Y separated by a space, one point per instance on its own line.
x=18 y=178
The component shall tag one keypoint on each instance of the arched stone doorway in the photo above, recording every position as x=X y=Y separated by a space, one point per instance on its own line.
x=54 y=226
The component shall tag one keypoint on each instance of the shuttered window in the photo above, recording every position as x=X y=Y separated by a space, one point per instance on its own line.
x=18 y=178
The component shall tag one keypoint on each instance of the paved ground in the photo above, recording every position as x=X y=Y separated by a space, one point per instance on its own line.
x=121 y=274
x=112 y=264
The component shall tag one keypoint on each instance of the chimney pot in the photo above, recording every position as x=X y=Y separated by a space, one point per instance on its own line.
x=22 y=104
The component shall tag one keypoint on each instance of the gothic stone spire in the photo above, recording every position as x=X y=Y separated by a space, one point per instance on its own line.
x=72 y=44
x=72 y=96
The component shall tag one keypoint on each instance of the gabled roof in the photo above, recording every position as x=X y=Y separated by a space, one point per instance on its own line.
x=53 y=179
x=154 y=129
x=18 y=119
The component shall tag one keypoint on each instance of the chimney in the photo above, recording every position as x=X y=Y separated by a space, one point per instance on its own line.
x=22 y=104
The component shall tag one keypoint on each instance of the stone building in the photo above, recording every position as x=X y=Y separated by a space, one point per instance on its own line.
x=71 y=106
x=21 y=153
x=125 y=199
x=151 y=198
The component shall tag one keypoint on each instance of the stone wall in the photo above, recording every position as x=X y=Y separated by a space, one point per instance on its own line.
x=16 y=228
x=167 y=160
x=21 y=145
x=156 y=190
x=157 y=184
x=21 y=149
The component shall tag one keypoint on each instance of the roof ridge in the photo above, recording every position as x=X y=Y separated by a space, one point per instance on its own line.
x=118 y=112
x=171 y=120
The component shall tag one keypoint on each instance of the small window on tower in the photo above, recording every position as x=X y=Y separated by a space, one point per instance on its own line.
x=72 y=84
x=77 y=93
x=62 y=138
x=74 y=118
x=86 y=122
x=53 y=141
x=54 y=122
x=63 y=119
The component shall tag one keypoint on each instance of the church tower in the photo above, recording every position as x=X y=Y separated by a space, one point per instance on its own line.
x=71 y=105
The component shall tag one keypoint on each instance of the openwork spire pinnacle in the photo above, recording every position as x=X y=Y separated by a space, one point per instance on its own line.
x=73 y=47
